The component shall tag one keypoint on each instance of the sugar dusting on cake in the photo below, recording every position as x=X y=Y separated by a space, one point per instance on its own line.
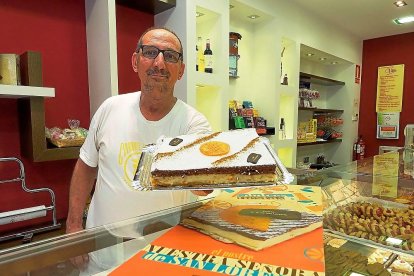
x=188 y=156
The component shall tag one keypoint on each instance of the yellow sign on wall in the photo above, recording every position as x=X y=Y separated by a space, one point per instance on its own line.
x=390 y=88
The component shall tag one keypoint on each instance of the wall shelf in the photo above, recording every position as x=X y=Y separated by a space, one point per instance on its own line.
x=31 y=111
x=321 y=110
x=305 y=77
x=150 y=6
x=20 y=91
x=320 y=142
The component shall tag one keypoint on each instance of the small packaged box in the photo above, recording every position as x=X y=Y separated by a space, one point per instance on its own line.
x=9 y=69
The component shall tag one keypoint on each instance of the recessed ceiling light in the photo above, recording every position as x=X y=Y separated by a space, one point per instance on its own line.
x=400 y=3
x=198 y=14
x=334 y=62
x=253 y=16
x=404 y=20
x=310 y=54
x=322 y=58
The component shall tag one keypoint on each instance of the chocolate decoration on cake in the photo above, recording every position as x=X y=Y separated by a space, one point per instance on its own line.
x=272 y=213
x=175 y=141
x=253 y=158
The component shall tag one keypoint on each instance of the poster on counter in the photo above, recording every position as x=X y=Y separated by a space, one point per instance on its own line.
x=390 y=88
x=388 y=125
x=385 y=170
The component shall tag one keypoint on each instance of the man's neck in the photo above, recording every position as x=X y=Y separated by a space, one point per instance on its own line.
x=155 y=108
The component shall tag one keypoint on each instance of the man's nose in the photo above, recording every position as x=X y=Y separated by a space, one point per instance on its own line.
x=159 y=60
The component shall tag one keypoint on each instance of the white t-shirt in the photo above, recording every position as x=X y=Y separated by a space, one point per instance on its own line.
x=117 y=133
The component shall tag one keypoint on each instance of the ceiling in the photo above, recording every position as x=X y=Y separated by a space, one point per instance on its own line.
x=364 y=18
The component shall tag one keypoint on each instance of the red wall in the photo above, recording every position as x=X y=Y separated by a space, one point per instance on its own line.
x=391 y=50
x=130 y=24
x=57 y=30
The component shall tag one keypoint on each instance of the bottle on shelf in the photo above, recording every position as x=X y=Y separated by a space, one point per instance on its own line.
x=196 y=57
x=200 y=55
x=208 y=58
x=282 y=129
x=284 y=80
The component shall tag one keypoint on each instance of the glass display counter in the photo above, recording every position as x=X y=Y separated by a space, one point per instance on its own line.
x=368 y=226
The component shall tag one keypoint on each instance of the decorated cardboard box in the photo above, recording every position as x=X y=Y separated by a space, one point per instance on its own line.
x=250 y=231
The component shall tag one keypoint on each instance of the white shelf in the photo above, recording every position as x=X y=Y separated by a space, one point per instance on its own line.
x=286 y=143
x=207 y=79
x=20 y=91
x=288 y=90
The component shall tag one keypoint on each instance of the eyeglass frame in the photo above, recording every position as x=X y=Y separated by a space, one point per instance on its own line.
x=141 y=47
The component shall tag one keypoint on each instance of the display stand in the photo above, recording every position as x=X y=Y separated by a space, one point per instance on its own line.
x=27 y=213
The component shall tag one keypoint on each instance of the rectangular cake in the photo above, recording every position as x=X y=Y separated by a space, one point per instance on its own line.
x=259 y=217
x=237 y=156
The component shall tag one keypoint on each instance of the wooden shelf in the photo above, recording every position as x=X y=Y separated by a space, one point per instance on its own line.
x=305 y=77
x=320 y=142
x=321 y=110
x=150 y=6
x=31 y=111
x=32 y=133
x=20 y=91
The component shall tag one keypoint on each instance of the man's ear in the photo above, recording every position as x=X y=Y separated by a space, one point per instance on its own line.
x=134 y=61
x=181 y=72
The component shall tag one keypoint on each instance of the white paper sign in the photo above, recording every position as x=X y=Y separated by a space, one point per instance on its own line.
x=388 y=125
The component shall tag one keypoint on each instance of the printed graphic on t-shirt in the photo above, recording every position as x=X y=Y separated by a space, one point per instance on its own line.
x=128 y=157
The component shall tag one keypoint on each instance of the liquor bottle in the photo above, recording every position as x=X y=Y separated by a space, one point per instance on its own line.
x=200 y=55
x=196 y=57
x=208 y=58
x=282 y=129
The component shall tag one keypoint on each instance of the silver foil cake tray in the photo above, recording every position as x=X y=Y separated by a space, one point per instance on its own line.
x=142 y=176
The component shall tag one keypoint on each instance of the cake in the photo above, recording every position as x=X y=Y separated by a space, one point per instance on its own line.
x=257 y=218
x=238 y=156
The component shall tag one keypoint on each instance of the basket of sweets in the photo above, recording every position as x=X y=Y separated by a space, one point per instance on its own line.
x=74 y=136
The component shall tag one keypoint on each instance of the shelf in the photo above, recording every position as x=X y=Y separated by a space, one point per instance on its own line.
x=150 y=6
x=321 y=110
x=33 y=139
x=20 y=91
x=31 y=112
x=207 y=79
x=305 y=77
x=320 y=142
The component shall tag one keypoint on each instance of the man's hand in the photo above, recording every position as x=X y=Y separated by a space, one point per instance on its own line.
x=81 y=261
x=201 y=192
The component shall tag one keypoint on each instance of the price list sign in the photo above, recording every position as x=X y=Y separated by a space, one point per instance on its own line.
x=390 y=88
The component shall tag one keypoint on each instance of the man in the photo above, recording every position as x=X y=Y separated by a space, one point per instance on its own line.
x=122 y=126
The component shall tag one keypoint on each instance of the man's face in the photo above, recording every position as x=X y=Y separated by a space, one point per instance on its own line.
x=157 y=73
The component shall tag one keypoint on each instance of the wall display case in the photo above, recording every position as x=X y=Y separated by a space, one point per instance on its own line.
x=353 y=194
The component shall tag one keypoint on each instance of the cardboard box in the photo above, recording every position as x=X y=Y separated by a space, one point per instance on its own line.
x=9 y=69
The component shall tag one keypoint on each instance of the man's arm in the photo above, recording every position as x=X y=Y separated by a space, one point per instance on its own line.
x=81 y=184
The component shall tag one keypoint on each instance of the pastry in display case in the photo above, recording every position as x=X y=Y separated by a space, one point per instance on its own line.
x=369 y=203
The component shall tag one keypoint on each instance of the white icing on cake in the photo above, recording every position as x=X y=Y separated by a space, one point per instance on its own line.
x=191 y=158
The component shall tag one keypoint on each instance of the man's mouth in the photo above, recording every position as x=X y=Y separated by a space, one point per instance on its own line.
x=157 y=73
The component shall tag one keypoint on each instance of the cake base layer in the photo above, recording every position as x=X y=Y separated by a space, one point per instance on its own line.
x=211 y=179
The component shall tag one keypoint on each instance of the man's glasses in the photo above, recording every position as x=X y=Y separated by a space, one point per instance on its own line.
x=152 y=52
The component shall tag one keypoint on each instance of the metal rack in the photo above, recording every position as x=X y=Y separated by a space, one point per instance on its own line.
x=27 y=213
